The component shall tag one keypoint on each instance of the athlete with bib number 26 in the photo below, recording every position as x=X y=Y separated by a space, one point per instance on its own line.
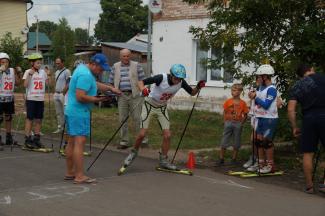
x=165 y=87
x=35 y=80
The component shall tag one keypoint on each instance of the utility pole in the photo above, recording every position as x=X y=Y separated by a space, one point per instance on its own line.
x=154 y=7
x=37 y=29
x=149 y=43
x=88 y=26
x=88 y=41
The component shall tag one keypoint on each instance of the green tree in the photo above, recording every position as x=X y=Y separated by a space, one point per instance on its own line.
x=82 y=37
x=14 y=48
x=285 y=33
x=121 y=20
x=47 y=27
x=63 y=42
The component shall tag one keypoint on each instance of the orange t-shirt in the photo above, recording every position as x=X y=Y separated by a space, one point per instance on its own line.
x=234 y=111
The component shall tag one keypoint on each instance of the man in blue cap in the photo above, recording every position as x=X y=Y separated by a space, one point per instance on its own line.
x=81 y=96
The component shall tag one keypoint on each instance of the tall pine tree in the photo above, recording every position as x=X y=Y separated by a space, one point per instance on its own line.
x=63 y=41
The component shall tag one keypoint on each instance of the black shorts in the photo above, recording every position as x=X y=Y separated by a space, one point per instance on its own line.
x=35 y=109
x=313 y=131
x=7 y=108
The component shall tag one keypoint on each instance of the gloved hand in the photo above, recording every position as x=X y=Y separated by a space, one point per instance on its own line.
x=200 y=84
x=145 y=92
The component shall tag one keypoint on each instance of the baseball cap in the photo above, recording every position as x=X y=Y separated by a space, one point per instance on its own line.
x=101 y=60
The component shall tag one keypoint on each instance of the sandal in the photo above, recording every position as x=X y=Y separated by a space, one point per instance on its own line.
x=85 y=181
x=68 y=178
x=309 y=190
x=321 y=188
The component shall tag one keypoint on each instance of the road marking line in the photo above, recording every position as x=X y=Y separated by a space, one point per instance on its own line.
x=15 y=157
x=7 y=200
x=229 y=182
x=239 y=185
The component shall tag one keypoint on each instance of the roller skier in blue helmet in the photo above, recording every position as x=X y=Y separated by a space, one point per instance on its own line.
x=165 y=86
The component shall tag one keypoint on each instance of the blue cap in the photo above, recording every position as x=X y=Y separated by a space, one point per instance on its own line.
x=101 y=60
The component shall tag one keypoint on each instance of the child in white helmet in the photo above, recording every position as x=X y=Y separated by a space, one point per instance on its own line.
x=8 y=80
x=266 y=113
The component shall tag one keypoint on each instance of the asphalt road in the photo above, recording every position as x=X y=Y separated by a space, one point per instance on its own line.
x=32 y=184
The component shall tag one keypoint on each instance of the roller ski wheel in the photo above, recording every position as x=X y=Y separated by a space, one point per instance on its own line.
x=176 y=171
x=42 y=150
x=122 y=170
x=62 y=153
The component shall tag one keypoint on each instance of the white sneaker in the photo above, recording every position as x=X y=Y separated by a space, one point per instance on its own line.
x=253 y=168
x=59 y=130
x=248 y=163
x=266 y=169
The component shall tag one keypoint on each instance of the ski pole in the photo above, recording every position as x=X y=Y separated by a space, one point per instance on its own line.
x=90 y=134
x=13 y=141
x=317 y=156
x=188 y=120
x=49 y=96
x=117 y=130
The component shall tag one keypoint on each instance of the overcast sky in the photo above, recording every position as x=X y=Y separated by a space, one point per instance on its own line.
x=77 y=12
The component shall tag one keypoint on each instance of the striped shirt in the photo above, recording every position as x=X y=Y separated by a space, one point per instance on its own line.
x=125 y=84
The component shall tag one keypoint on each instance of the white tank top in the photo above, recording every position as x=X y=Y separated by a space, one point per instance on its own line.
x=272 y=111
x=162 y=93
x=7 y=84
x=36 y=86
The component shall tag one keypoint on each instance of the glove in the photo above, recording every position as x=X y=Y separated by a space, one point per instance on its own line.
x=200 y=84
x=145 y=92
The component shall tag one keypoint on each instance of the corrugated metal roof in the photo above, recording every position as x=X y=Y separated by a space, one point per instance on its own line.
x=130 y=46
x=43 y=40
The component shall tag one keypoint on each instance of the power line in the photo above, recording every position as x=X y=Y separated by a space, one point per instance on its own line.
x=72 y=3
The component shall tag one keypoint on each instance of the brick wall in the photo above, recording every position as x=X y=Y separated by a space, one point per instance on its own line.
x=177 y=9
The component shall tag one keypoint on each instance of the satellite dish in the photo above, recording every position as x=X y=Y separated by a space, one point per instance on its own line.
x=25 y=30
x=155 y=6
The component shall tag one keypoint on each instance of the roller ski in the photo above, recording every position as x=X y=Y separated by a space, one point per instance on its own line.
x=128 y=161
x=62 y=153
x=246 y=174
x=166 y=166
x=35 y=145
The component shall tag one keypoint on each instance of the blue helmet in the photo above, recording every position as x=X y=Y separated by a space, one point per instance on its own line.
x=178 y=70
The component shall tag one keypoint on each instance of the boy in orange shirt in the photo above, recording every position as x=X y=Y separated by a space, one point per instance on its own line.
x=235 y=114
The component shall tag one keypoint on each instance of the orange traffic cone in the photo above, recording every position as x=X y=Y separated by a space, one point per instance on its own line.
x=191 y=161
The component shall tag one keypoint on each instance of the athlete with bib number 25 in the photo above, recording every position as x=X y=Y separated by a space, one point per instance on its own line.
x=165 y=87
x=8 y=80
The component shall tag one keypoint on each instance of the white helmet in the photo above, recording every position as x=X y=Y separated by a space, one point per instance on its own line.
x=4 y=56
x=265 y=69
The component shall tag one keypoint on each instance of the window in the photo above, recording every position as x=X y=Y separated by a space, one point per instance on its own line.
x=213 y=75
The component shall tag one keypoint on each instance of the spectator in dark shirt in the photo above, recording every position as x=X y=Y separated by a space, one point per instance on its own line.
x=309 y=93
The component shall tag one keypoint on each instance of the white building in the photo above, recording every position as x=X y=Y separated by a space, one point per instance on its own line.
x=172 y=43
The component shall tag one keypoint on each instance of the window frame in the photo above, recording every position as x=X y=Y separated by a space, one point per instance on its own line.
x=209 y=82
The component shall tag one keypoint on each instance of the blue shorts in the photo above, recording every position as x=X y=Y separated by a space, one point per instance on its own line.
x=77 y=126
x=266 y=127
